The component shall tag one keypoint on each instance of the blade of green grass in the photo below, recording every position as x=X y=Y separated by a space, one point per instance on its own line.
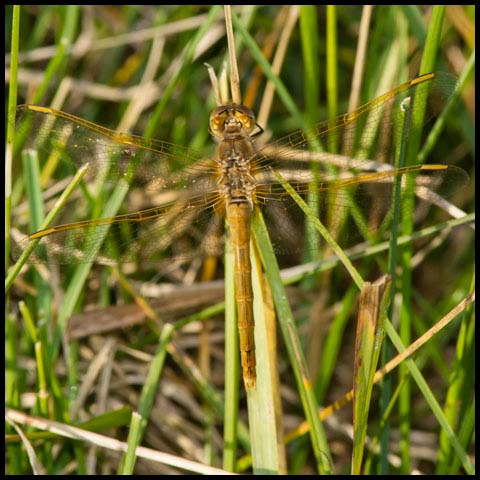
x=311 y=70
x=232 y=366
x=262 y=409
x=42 y=393
x=322 y=230
x=292 y=342
x=430 y=399
x=12 y=105
x=332 y=72
x=56 y=64
x=31 y=168
x=139 y=419
x=12 y=369
x=332 y=345
x=436 y=130
x=12 y=394
x=458 y=395
x=401 y=125
x=257 y=54
x=367 y=466
x=329 y=263
x=59 y=204
x=428 y=64
x=372 y=311
x=310 y=50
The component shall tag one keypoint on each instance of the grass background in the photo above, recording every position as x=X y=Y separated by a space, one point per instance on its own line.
x=105 y=65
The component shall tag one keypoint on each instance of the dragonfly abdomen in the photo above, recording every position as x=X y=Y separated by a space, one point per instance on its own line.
x=238 y=217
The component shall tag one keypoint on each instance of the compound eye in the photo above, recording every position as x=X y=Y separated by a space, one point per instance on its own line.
x=218 y=111
x=245 y=116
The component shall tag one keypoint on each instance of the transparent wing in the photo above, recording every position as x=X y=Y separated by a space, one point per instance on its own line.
x=185 y=229
x=181 y=217
x=357 y=207
x=69 y=142
x=171 y=180
x=367 y=132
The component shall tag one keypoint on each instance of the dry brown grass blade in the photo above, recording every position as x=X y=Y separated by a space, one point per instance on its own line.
x=69 y=431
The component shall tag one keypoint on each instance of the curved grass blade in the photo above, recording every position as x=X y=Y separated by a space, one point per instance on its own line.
x=292 y=342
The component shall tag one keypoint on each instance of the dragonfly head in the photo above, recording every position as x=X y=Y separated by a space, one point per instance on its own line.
x=231 y=119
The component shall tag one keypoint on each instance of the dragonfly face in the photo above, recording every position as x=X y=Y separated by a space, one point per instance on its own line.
x=231 y=119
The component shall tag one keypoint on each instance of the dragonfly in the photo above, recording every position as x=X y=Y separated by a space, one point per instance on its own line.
x=193 y=195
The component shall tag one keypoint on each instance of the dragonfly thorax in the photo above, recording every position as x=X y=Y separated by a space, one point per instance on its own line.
x=236 y=182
